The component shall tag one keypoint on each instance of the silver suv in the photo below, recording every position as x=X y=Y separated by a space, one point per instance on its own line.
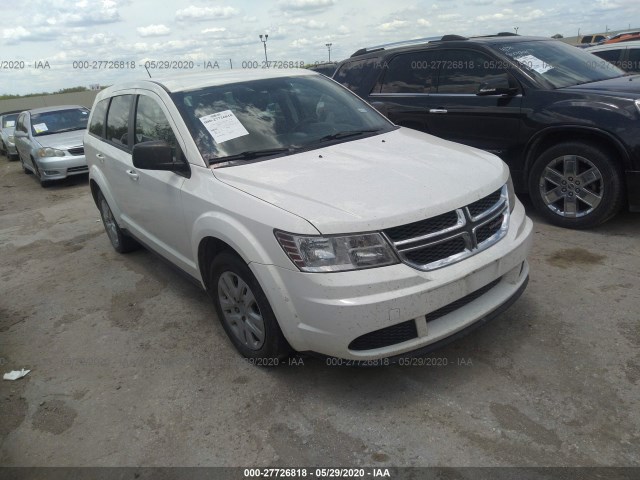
x=314 y=223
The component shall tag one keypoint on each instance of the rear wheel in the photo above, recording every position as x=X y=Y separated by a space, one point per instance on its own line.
x=576 y=185
x=244 y=310
x=120 y=241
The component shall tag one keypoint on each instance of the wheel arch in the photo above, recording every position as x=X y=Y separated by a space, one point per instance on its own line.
x=551 y=136
x=209 y=248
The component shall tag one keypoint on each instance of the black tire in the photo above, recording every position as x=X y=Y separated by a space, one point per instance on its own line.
x=576 y=185
x=120 y=241
x=273 y=347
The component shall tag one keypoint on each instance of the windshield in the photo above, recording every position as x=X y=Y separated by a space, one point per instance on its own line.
x=9 y=121
x=276 y=115
x=59 y=121
x=557 y=64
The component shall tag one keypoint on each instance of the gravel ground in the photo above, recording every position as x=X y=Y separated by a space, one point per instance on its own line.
x=130 y=366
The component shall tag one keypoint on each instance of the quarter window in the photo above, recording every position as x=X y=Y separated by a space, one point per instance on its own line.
x=118 y=120
x=463 y=71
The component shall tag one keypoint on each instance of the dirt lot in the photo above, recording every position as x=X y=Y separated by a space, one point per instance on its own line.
x=129 y=365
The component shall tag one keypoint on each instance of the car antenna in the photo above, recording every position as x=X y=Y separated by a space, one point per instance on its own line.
x=145 y=67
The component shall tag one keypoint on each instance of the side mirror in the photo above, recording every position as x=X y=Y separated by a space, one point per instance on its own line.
x=19 y=133
x=496 y=86
x=156 y=155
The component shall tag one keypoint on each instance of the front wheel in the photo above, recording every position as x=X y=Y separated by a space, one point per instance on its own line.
x=244 y=310
x=576 y=185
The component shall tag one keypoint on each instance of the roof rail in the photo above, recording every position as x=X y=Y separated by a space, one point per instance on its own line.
x=415 y=41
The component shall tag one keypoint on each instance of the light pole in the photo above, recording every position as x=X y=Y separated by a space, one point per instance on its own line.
x=328 y=45
x=516 y=29
x=264 y=42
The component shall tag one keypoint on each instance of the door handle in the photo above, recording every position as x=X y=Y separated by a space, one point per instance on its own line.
x=437 y=110
x=133 y=175
x=100 y=157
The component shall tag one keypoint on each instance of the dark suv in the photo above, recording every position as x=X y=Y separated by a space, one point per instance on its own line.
x=566 y=123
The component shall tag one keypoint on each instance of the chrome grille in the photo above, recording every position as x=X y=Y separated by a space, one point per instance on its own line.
x=448 y=238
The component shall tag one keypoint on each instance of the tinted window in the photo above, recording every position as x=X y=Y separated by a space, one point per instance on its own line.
x=632 y=64
x=352 y=74
x=151 y=123
x=58 y=121
x=118 y=120
x=97 y=119
x=411 y=73
x=463 y=71
x=612 y=56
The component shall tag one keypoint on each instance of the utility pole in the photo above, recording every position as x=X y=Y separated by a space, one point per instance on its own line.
x=264 y=42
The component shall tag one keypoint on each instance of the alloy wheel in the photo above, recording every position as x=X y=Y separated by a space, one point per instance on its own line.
x=571 y=186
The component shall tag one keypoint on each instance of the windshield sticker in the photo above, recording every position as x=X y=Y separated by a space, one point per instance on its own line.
x=10 y=123
x=534 y=63
x=40 y=127
x=223 y=126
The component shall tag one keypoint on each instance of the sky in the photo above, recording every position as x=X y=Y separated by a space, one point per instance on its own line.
x=47 y=45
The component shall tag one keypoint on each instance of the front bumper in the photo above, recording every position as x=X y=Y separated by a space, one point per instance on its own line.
x=56 y=168
x=327 y=312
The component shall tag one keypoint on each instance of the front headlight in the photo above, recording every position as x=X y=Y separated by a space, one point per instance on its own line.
x=50 y=152
x=638 y=105
x=512 y=194
x=336 y=253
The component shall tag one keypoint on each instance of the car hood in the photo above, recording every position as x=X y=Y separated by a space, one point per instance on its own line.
x=628 y=86
x=372 y=183
x=62 y=140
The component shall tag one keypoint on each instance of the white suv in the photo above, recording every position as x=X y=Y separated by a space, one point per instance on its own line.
x=313 y=222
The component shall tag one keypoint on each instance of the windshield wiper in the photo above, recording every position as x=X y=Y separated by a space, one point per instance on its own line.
x=251 y=154
x=346 y=134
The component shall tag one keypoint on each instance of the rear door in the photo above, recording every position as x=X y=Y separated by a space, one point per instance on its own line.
x=457 y=113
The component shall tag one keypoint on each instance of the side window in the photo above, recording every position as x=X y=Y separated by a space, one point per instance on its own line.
x=633 y=61
x=97 y=119
x=355 y=75
x=151 y=123
x=463 y=71
x=118 y=120
x=411 y=73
